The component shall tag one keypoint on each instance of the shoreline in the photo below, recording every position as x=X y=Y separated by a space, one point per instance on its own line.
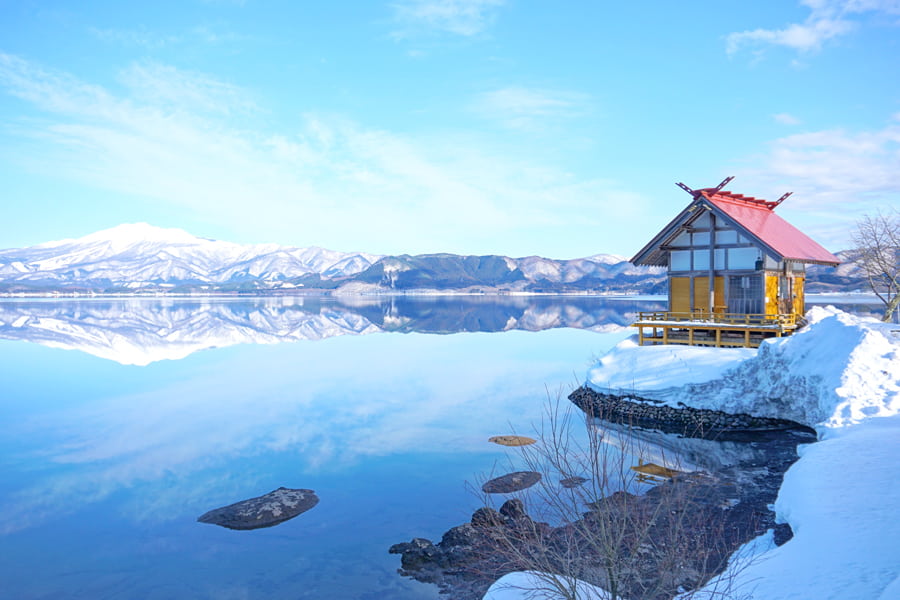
x=864 y=298
x=729 y=501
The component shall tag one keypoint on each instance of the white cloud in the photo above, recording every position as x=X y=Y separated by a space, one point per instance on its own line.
x=460 y=17
x=135 y=37
x=786 y=119
x=144 y=38
x=828 y=19
x=166 y=86
x=190 y=143
x=526 y=108
x=836 y=176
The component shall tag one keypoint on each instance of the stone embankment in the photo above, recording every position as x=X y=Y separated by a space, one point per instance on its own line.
x=632 y=410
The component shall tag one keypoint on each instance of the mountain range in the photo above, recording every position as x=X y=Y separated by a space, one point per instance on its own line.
x=143 y=259
x=140 y=258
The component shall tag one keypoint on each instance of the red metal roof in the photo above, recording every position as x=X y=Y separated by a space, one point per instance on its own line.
x=757 y=217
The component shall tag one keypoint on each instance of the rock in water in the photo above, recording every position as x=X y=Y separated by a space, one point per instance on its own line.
x=571 y=482
x=264 y=511
x=512 y=440
x=511 y=482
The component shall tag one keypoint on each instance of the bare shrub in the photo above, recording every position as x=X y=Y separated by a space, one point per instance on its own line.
x=584 y=523
x=877 y=241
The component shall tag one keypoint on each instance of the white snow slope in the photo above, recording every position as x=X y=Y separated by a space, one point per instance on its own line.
x=138 y=253
x=840 y=375
x=837 y=371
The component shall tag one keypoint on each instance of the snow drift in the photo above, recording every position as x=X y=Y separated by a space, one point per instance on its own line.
x=841 y=498
x=839 y=370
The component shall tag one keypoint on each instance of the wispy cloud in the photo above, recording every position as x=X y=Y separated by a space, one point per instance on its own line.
x=526 y=108
x=136 y=37
x=166 y=86
x=828 y=19
x=786 y=119
x=193 y=143
x=459 y=17
x=154 y=40
x=835 y=175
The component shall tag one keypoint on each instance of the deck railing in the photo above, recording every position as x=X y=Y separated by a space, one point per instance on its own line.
x=711 y=329
x=786 y=321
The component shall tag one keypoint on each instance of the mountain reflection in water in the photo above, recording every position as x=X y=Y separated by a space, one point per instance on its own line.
x=138 y=331
x=107 y=465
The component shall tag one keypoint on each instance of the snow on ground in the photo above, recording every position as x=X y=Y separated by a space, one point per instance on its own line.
x=527 y=584
x=839 y=370
x=652 y=371
x=842 y=499
x=841 y=374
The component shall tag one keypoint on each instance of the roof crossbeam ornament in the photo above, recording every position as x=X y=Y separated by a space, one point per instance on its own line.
x=782 y=199
x=725 y=182
x=685 y=188
x=714 y=190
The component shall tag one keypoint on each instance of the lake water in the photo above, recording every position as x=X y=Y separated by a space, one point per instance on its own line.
x=124 y=420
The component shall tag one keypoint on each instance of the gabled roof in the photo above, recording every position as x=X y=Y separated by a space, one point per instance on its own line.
x=753 y=217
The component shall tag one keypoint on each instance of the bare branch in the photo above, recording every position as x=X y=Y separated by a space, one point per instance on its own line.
x=877 y=241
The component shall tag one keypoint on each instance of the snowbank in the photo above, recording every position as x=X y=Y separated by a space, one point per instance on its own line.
x=838 y=371
x=527 y=584
x=656 y=370
x=842 y=500
x=842 y=497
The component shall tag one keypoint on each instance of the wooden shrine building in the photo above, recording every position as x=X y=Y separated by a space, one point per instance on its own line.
x=736 y=271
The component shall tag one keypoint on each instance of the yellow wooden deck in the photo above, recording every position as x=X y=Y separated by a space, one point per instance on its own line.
x=700 y=328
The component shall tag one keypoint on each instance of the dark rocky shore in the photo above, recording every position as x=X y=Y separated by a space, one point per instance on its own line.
x=686 y=421
x=707 y=513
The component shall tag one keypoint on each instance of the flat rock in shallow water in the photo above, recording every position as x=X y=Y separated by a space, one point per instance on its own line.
x=511 y=482
x=512 y=440
x=571 y=482
x=264 y=511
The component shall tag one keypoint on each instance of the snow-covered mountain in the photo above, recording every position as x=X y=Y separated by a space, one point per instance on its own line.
x=600 y=273
x=140 y=256
x=847 y=276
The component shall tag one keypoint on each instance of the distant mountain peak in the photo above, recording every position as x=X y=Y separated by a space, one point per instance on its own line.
x=607 y=259
x=129 y=233
x=143 y=257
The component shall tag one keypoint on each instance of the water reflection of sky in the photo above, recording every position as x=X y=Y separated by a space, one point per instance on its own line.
x=107 y=466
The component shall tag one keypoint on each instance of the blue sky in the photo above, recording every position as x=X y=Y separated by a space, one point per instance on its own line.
x=471 y=126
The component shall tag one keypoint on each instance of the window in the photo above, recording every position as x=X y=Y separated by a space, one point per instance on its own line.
x=729 y=236
x=720 y=258
x=701 y=260
x=742 y=258
x=745 y=294
x=680 y=260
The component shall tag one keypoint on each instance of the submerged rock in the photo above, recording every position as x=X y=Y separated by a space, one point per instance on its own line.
x=571 y=482
x=271 y=509
x=511 y=482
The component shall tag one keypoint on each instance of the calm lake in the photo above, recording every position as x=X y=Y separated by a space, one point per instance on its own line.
x=124 y=420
